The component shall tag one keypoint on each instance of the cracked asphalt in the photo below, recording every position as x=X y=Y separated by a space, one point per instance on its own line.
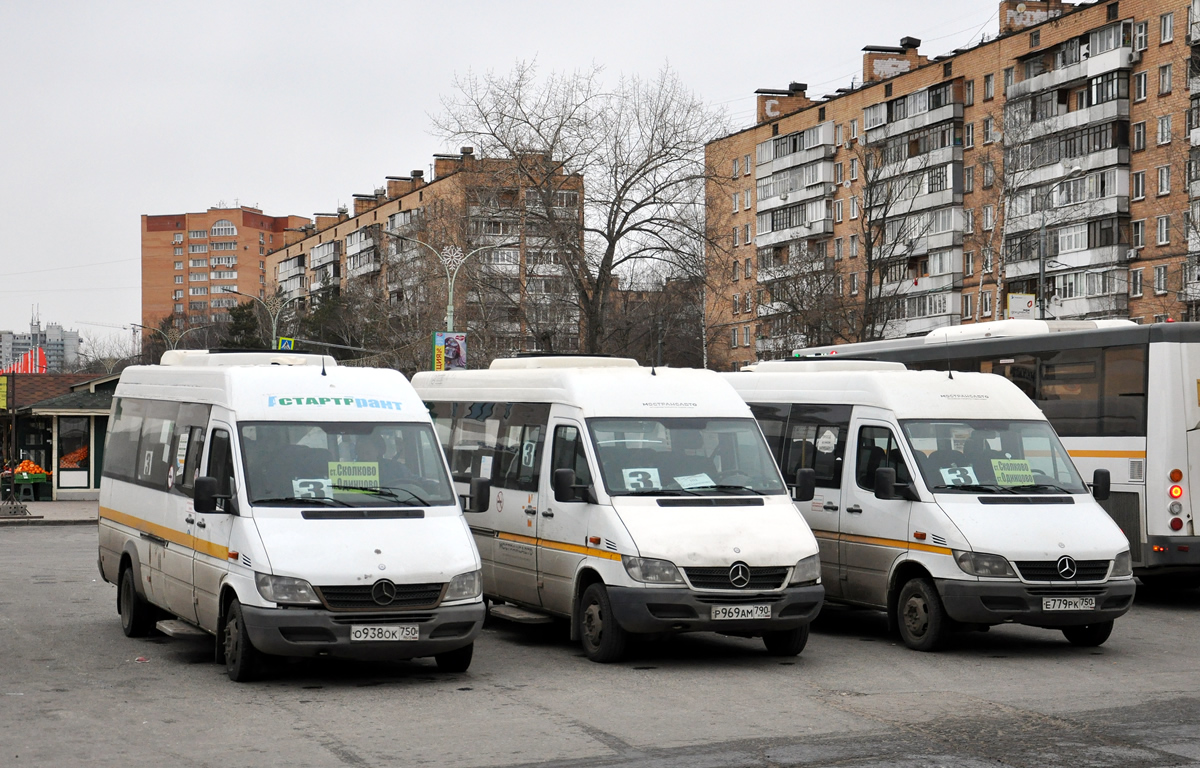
x=73 y=692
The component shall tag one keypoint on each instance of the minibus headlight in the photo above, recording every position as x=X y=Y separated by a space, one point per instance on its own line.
x=285 y=590
x=464 y=586
x=808 y=569
x=979 y=564
x=1122 y=565
x=651 y=571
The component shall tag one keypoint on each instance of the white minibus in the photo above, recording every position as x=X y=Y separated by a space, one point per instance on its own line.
x=285 y=506
x=629 y=500
x=946 y=500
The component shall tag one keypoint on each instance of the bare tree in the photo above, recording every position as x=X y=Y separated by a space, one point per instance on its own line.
x=103 y=355
x=639 y=148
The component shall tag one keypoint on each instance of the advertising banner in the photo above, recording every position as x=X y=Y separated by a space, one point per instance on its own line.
x=1021 y=306
x=449 y=351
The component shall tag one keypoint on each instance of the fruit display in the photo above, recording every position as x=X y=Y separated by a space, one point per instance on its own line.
x=29 y=467
x=73 y=459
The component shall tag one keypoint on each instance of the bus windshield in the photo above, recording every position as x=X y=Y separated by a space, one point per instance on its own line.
x=342 y=464
x=991 y=456
x=684 y=456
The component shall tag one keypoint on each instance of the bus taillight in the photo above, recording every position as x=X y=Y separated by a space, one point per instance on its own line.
x=1176 y=523
x=1176 y=491
x=1176 y=475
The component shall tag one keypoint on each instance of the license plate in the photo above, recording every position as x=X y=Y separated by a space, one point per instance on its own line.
x=733 y=612
x=387 y=633
x=1068 y=603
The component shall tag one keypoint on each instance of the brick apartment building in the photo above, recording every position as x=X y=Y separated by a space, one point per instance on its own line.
x=918 y=197
x=512 y=295
x=191 y=262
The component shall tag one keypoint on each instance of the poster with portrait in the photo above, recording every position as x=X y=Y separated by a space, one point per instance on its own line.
x=449 y=351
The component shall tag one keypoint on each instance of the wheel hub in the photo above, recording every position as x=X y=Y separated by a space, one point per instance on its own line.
x=916 y=616
x=593 y=623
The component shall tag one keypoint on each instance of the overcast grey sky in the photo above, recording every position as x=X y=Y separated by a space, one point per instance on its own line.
x=111 y=110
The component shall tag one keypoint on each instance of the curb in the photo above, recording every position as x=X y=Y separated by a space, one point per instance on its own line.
x=17 y=522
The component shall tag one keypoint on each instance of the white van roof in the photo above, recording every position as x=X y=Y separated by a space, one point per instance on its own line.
x=599 y=388
x=907 y=394
x=273 y=391
x=823 y=365
x=206 y=357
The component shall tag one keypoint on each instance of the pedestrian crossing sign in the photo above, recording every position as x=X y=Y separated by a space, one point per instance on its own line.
x=287 y=344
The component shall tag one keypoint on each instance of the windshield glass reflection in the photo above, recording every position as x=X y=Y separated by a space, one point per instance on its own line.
x=683 y=456
x=344 y=464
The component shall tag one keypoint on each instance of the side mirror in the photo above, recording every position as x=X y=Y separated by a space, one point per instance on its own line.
x=564 y=485
x=481 y=495
x=806 y=484
x=1101 y=485
x=206 y=492
x=885 y=483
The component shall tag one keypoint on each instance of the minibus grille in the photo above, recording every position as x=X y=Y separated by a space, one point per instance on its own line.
x=1047 y=570
x=719 y=578
x=367 y=598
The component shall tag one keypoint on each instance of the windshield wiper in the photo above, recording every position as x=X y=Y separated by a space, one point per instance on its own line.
x=300 y=501
x=659 y=492
x=730 y=488
x=388 y=491
x=977 y=487
x=1039 y=486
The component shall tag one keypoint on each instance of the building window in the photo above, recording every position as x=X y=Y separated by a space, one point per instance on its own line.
x=838 y=175
x=853 y=129
x=178 y=279
x=1166 y=28
x=746 y=269
x=178 y=294
x=1035 y=38
x=985 y=258
x=179 y=250
x=989 y=175
x=839 y=134
x=989 y=130
x=854 y=169
x=736 y=201
x=1135 y=282
x=853 y=283
x=197 y=234
x=737 y=272
x=736 y=230
x=1160 y=280
x=1163 y=230
x=969 y=92
x=197 y=247
x=194 y=277
x=985 y=304
x=746 y=234
x=733 y=343
x=1164 y=180
x=223 y=228
x=177 y=238
x=969 y=220
x=1164 y=129
x=966 y=306
x=837 y=211
x=968 y=179
x=854 y=246
x=1137 y=232
x=853 y=207
x=989 y=87
x=179 y=265
x=746 y=200
x=1008 y=78
x=1164 y=79
x=989 y=217
x=736 y=169
x=837 y=248
x=746 y=335
x=746 y=165
x=1140 y=86
x=1112 y=11
x=737 y=298
x=1138 y=184
x=198 y=291
x=1139 y=136
x=969 y=263
x=1141 y=36
x=969 y=135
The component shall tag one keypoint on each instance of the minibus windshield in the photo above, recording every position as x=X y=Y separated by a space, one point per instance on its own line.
x=991 y=456
x=343 y=464
x=683 y=457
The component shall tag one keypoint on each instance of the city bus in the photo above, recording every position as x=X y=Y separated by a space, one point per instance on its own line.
x=1122 y=397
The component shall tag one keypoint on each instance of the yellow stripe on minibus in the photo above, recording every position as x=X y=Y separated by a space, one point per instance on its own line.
x=163 y=532
x=1107 y=454
x=876 y=541
x=561 y=546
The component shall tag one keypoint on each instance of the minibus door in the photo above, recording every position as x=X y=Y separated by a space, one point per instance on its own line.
x=874 y=532
x=563 y=528
x=212 y=530
x=515 y=482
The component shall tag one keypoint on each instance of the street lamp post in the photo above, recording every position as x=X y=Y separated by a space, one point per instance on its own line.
x=1075 y=172
x=172 y=335
x=451 y=258
x=274 y=306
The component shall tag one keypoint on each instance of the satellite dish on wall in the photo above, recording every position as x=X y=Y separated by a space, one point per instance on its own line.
x=1020 y=7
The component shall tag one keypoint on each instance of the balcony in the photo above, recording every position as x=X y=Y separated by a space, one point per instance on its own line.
x=824 y=188
x=942 y=156
x=819 y=228
x=953 y=111
x=1118 y=58
x=1109 y=256
x=1117 y=109
x=1105 y=207
x=326 y=253
x=290 y=268
x=362 y=264
x=1113 y=305
x=919 y=326
x=1093 y=161
x=292 y=287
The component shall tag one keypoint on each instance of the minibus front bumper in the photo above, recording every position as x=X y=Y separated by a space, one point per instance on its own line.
x=997 y=602
x=648 y=610
x=305 y=632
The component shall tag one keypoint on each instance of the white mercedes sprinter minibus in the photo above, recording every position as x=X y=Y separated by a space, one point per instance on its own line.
x=629 y=500
x=286 y=506
x=944 y=500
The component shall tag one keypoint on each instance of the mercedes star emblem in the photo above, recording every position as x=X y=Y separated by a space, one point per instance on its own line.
x=739 y=575
x=384 y=592
x=1066 y=567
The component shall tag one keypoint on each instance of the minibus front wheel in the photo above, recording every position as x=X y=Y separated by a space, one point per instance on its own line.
x=604 y=640
x=786 y=642
x=1088 y=635
x=922 y=619
x=242 y=660
x=457 y=660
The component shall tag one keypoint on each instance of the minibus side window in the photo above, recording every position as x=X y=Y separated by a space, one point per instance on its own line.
x=817 y=441
x=772 y=418
x=220 y=465
x=568 y=454
x=155 y=455
x=120 y=452
x=472 y=438
x=519 y=446
x=877 y=447
x=191 y=443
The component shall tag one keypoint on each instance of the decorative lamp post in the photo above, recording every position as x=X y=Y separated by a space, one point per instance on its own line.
x=274 y=305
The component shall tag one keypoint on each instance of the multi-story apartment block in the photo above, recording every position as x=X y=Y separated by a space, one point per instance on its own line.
x=513 y=292
x=1045 y=173
x=194 y=265
x=61 y=346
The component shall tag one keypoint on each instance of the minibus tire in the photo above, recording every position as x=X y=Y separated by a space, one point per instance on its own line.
x=921 y=618
x=604 y=640
x=457 y=660
x=137 y=615
x=1088 y=635
x=786 y=642
x=243 y=662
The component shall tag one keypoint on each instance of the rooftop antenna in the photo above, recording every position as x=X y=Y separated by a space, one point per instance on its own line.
x=323 y=365
x=946 y=345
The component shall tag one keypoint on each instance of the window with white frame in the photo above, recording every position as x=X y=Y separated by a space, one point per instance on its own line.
x=746 y=165
x=746 y=237
x=1137 y=185
x=1166 y=27
x=989 y=128
x=837 y=211
x=197 y=247
x=194 y=277
x=737 y=299
x=1140 y=85
x=874 y=116
x=1163 y=230
x=737 y=199
x=197 y=262
x=969 y=92
x=178 y=294
x=967 y=301
x=178 y=279
x=198 y=291
x=177 y=237
x=179 y=265
x=1160 y=279
x=179 y=250
x=969 y=220
x=224 y=274
x=854 y=129
x=746 y=335
x=736 y=231
x=733 y=341
x=1135 y=282
x=1164 y=180
x=837 y=248
x=1164 y=79
x=853 y=283
x=854 y=169
x=854 y=246
x=197 y=234
x=942 y=263
x=969 y=135
x=1141 y=36
x=1138 y=140
x=969 y=263
x=223 y=228
x=746 y=269
x=1072 y=238
x=989 y=217
x=985 y=258
x=747 y=199
x=223 y=246
x=941 y=220
x=985 y=304
x=969 y=179
x=1164 y=129
x=736 y=168
x=854 y=207
x=1137 y=233
x=989 y=87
